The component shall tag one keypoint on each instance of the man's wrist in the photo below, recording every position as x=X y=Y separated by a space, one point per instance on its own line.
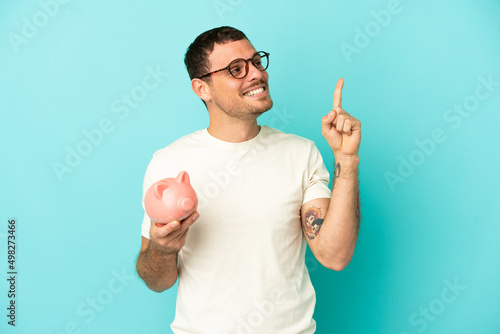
x=158 y=250
x=347 y=162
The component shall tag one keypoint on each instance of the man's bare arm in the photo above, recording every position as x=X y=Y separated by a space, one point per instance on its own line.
x=331 y=226
x=157 y=261
x=157 y=269
x=335 y=244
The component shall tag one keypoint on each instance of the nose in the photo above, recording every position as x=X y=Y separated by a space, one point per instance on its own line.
x=253 y=72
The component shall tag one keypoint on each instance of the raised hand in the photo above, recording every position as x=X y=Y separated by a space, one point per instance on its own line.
x=341 y=130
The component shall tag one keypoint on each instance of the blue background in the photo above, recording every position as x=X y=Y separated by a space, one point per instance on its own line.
x=433 y=224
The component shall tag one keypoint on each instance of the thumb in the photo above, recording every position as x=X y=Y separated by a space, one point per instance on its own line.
x=328 y=119
x=161 y=230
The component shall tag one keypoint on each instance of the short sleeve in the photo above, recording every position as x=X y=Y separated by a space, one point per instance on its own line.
x=316 y=178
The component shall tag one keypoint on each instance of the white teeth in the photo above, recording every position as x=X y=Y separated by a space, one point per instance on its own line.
x=255 y=91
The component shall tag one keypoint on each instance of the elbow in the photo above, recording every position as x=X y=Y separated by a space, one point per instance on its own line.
x=159 y=288
x=164 y=286
x=154 y=288
x=155 y=285
x=338 y=259
x=336 y=264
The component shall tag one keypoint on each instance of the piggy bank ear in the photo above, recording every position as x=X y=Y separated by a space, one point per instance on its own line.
x=183 y=177
x=159 y=189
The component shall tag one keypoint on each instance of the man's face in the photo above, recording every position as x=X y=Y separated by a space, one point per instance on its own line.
x=234 y=96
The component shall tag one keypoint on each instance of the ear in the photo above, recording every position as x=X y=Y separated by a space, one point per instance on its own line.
x=201 y=89
x=183 y=177
x=160 y=187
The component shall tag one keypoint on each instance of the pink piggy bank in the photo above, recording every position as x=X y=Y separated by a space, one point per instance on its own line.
x=170 y=199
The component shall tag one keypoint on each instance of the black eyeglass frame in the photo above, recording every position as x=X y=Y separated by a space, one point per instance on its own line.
x=262 y=54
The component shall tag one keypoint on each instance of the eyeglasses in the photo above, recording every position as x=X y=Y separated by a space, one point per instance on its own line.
x=239 y=67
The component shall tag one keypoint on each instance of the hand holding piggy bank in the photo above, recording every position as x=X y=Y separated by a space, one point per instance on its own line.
x=170 y=199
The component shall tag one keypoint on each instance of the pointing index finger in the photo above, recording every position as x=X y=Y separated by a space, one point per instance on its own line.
x=337 y=95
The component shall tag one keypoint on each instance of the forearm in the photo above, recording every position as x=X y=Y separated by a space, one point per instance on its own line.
x=339 y=233
x=157 y=269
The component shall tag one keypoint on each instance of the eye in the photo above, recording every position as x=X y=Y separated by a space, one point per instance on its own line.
x=238 y=68
x=257 y=61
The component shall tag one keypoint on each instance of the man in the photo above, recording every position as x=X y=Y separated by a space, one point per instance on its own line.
x=241 y=267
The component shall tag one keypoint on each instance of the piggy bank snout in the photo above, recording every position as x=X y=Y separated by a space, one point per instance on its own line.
x=186 y=204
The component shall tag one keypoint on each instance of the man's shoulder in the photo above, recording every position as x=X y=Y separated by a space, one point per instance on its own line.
x=180 y=144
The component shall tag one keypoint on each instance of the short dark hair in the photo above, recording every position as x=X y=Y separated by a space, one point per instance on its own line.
x=196 y=58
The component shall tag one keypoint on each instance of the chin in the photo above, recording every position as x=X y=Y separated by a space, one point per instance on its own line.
x=268 y=104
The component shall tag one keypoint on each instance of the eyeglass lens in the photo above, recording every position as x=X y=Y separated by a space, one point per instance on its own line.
x=238 y=68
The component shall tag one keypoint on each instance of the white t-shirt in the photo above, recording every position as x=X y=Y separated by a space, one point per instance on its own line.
x=242 y=268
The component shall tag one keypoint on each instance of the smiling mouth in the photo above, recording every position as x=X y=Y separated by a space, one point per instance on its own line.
x=254 y=92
